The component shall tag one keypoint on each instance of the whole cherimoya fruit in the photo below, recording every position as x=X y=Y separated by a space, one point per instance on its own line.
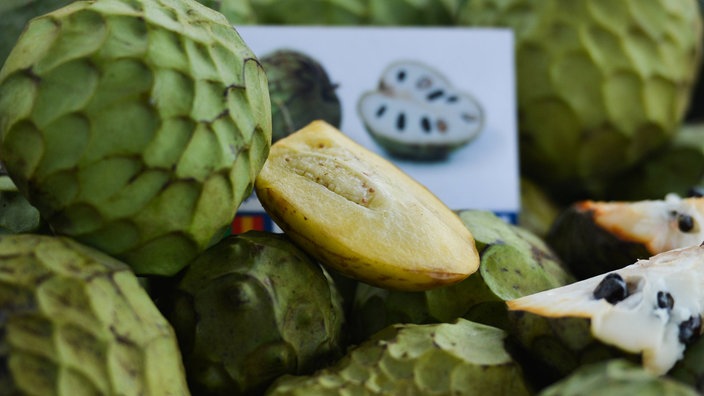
x=136 y=127
x=301 y=92
x=74 y=321
x=252 y=308
x=600 y=83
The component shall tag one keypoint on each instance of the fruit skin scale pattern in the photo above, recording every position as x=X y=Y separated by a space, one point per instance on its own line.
x=76 y=321
x=456 y=358
x=136 y=127
x=601 y=84
x=249 y=309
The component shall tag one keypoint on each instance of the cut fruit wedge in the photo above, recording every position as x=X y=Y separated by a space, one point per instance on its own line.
x=361 y=215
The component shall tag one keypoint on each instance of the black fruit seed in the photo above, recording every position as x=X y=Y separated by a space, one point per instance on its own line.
x=401 y=122
x=381 y=110
x=690 y=329
x=401 y=75
x=435 y=94
x=665 y=300
x=425 y=124
x=612 y=288
x=685 y=222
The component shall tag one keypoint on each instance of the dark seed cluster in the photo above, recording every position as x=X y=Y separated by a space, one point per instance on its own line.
x=427 y=124
x=612 y=288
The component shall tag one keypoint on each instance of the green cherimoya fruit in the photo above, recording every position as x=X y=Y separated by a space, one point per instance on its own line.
x=649 y=311
x=416 y=113
x=136 y=127
x=594 y=237
x=616 y=377
x=14 y=15
x=251 y=308
x=458 y=358
x=74 y=321
x=601 y=84
x=514 y=263
x=337 y=12
x=301 y=92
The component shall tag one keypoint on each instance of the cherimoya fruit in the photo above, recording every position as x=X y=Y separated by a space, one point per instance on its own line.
x=136 y=127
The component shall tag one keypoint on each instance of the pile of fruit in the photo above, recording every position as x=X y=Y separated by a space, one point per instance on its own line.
x=132 y=130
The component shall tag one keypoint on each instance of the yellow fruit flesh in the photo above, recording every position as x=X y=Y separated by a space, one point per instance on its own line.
x=358 y=213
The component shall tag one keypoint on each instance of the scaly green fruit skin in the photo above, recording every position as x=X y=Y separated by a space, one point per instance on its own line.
x=615 y=378
x=458 y=358
x=301 y=92
x=14 y=15
x=251 y=308
x=338 y=12
x=555 y=347
x=514 y=263
x=76 y=322
x=136 y=127
x=601 y=84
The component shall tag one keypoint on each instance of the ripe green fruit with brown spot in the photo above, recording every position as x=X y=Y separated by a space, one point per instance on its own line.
x=136 y=127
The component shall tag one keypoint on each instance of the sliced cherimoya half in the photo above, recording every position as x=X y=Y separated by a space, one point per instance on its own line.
x=651 y=309
x=361 y=215
x=416 y=114
x=594 y=237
